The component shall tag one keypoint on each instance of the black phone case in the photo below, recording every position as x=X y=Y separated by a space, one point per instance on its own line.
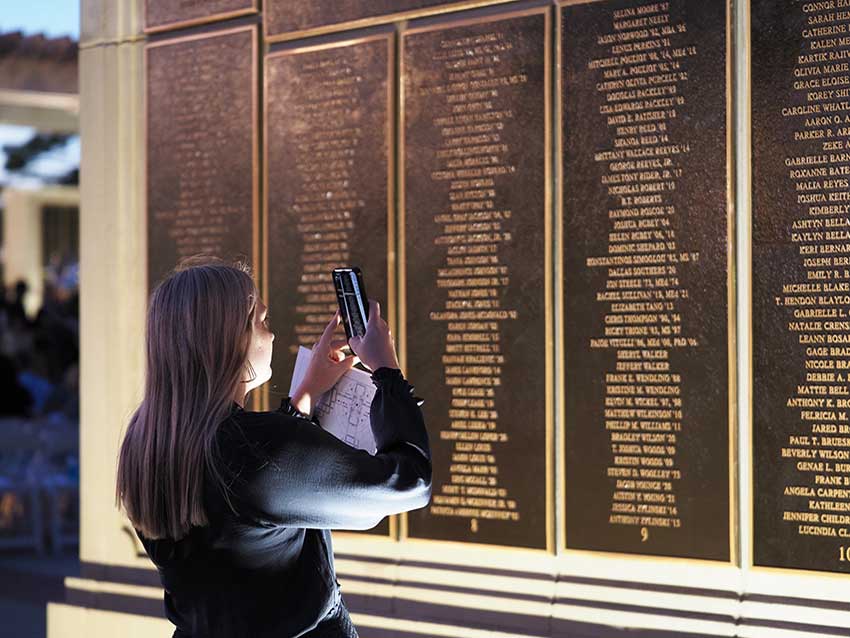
x=350 y=299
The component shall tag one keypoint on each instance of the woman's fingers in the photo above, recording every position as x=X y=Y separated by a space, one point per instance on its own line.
x=374 y=313
x=338 y=356
x=330 y=329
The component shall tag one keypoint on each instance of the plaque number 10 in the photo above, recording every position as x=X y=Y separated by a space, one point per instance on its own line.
x=843 y=554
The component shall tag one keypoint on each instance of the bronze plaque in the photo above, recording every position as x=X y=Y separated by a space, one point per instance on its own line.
x=476 y=174
x=646 y=268
x=202 y=171
x=328 y=186
x=284 y=17
x=161 y=15
x=801 y=285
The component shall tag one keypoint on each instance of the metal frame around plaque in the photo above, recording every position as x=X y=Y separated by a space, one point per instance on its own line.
x=747 y=114
x=732 y=344
x=182 y=24
x=255 y=142
x=549 y=299
x=448 y=7
x=392 y=259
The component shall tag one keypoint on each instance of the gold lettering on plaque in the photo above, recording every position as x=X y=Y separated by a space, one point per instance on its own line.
x=641 y=82
x=474 y=92
x=817 y=499
x=199 y=219
x=326 y=142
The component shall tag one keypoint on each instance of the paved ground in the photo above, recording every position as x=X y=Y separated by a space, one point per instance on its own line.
x=27 y=583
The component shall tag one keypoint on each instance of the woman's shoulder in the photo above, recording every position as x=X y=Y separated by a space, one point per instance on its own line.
x=257 y=432
x=256 y=418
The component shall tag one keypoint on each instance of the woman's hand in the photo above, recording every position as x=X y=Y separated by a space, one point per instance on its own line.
x=376 y=348
x=326 y=367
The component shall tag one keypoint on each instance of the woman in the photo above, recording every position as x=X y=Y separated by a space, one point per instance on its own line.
x=234 y=507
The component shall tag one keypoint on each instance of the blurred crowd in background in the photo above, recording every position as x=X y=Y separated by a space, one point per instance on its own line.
x=39 y=411
x=39 y=357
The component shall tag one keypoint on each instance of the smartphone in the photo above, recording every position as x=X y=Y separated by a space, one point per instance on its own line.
x=353 y=303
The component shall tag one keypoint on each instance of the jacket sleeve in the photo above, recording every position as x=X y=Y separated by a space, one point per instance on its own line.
x=302 y=476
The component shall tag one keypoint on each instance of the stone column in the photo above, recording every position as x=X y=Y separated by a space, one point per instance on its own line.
x=22 y=258
x=112 y=306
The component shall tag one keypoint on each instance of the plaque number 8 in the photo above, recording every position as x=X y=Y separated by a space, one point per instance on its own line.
x=644 y=534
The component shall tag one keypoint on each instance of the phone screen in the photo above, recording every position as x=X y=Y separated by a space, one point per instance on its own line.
x=351 y=296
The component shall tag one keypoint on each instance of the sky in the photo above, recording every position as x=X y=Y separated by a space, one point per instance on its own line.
x=53 y=18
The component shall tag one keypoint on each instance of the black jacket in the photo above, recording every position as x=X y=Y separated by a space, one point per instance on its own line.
x=268 y=570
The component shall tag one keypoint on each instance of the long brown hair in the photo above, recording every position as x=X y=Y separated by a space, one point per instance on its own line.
x=199 y=325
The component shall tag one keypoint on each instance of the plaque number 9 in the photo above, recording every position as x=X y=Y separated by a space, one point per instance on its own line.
x=644 y=534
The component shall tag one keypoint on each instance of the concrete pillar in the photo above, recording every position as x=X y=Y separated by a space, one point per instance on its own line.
x=112 y=307
x=22 y=246
x=22 y=237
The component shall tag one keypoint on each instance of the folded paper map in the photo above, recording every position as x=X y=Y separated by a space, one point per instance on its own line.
x=344 y=409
